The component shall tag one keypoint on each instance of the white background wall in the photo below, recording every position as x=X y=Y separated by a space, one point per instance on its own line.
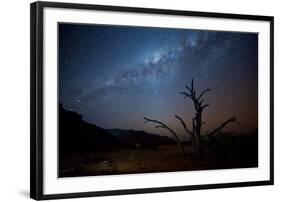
x=14 y=101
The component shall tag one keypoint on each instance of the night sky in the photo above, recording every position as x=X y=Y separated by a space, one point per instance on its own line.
x=115 y=75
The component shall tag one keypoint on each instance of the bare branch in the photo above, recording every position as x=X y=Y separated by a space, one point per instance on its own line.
x=159 y=126
x=205 y=91
x=186 y=94
x=163 y=125
x=184 y=125
x=204 y=106
x=233 y=119
x=188 y=88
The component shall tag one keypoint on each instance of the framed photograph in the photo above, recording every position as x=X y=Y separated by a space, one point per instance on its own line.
x=134 y=100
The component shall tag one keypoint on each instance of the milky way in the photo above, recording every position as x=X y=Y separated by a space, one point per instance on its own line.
x=115 y=75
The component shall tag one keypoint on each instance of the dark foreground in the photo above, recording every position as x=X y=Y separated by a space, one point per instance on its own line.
x=86 y=150
x=165 y=158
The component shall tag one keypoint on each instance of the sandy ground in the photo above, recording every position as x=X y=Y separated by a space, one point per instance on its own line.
x=163 y=159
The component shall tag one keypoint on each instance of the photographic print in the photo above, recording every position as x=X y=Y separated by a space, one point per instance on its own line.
x=136 y=99
x=128 y=100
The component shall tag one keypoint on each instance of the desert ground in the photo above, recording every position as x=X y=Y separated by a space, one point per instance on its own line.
x=165 y=158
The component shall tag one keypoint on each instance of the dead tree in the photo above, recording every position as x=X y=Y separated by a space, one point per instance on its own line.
x=196 y=133
x=197 y=122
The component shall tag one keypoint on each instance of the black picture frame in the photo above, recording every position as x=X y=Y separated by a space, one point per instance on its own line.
x=36 y=99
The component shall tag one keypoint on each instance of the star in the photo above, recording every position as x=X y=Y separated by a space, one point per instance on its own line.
x=139 y=71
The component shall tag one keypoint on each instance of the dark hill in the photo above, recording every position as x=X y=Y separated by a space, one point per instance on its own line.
x=76 y=135
x=140 y=139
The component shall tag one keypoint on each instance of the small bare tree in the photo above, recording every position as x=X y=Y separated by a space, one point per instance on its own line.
x=197 y=123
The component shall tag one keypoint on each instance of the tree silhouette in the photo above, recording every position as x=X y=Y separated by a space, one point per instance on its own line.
x=195 y=134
